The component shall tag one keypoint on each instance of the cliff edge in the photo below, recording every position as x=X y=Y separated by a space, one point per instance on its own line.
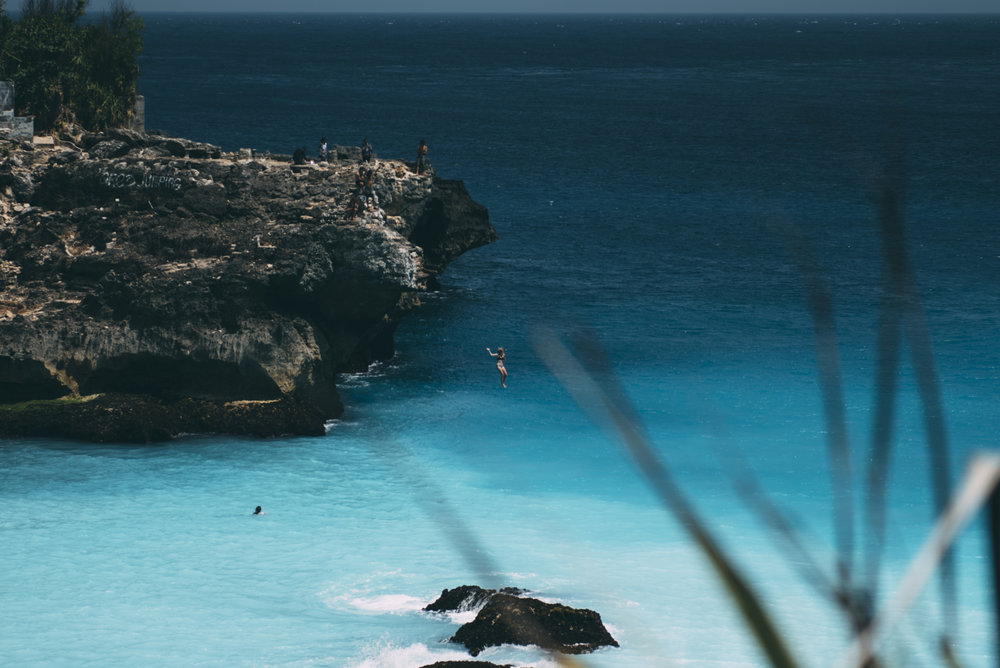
x=152 y=286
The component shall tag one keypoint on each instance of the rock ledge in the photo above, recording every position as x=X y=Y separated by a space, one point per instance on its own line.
x=193 y=290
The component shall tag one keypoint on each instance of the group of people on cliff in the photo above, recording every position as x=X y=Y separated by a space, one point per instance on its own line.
x=368 y=153
x=363 y=196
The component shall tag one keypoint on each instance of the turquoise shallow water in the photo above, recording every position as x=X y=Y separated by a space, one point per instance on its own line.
x=151 y=554
x=635 y=170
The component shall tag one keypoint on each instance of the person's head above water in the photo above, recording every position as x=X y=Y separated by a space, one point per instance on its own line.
x=257 y=511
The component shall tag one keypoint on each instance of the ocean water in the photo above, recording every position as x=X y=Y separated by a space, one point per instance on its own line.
x=639 y=171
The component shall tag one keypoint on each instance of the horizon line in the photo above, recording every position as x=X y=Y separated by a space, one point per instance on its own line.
x=636 y=13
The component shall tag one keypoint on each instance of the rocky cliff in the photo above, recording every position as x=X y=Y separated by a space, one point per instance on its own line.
x=151 y=286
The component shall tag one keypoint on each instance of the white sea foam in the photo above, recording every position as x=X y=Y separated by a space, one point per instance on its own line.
x=377 y=369
x=389 y=603
x=382 y=604
x=463 y=616
x=385 y=655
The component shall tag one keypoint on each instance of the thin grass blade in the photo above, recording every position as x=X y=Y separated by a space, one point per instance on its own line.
x=994 y=533
x=433 y=502
x=979 y=483
x=906 y=297
x=596 y=392
x=831 y=388
x=887 y=364
x=798 y=555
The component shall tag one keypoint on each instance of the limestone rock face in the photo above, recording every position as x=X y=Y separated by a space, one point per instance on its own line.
x=140 y=264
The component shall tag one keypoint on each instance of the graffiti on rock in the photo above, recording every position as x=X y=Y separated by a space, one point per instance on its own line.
x=123 y=180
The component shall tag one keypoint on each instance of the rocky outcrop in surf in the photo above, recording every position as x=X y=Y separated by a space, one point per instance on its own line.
x=467 y=664
x=508 y=618
x=204 y=290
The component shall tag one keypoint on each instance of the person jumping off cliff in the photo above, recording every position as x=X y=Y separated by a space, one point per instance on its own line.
x=499 y=354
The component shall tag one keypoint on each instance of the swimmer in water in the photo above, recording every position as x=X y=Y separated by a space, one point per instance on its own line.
x=500 y=358
x=258 y=511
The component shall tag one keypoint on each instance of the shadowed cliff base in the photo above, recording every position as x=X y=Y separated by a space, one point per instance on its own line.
x=130 y=418
x=174 y=279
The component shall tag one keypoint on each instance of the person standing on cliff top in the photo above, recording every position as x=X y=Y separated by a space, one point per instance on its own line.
x=322 y=149
x=366 y=151
x=499 y=354
x=421 y=157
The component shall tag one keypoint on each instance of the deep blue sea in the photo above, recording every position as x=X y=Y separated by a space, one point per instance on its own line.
x=642 y=172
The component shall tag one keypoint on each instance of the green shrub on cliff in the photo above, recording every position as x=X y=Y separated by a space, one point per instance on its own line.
x=66 y=68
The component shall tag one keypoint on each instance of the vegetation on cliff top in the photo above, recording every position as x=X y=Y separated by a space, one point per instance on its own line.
x=67 y=68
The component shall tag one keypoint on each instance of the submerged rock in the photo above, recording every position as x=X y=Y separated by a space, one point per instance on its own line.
x=204 y=291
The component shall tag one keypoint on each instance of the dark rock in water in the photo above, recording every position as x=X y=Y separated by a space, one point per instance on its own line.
x=511 y=620
x=152 y=286
x=508 y=618
x=467 y=597
x=467 y=664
